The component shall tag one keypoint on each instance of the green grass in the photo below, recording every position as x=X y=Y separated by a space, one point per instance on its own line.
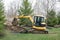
x=54 y=34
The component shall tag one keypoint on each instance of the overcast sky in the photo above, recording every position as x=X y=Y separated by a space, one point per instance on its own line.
x=7 y=3
x=57 y=7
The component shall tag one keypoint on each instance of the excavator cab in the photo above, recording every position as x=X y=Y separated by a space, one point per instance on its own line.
x=39 y=24
x=38 y=21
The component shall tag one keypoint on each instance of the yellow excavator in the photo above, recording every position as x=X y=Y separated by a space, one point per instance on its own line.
x=38 y=24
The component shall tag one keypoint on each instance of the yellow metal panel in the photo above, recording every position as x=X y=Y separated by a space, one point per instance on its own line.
x=29 y=17
x=39 y=28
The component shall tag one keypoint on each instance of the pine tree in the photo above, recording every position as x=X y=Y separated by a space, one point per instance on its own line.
x=58 y=16
x=25 y=10
x=1 y=16
x=51 y=18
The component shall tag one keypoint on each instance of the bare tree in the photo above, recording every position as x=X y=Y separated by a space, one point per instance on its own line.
x=12 y=11
x=42 y=6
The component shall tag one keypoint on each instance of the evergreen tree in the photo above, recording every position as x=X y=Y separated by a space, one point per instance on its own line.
x=58 y=16
x=25 y=10
x=1 y=16
x=51 y=18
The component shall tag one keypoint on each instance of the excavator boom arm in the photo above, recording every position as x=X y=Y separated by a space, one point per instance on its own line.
x=29 y=17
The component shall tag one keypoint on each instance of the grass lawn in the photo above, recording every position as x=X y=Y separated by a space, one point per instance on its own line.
x=54 y=34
